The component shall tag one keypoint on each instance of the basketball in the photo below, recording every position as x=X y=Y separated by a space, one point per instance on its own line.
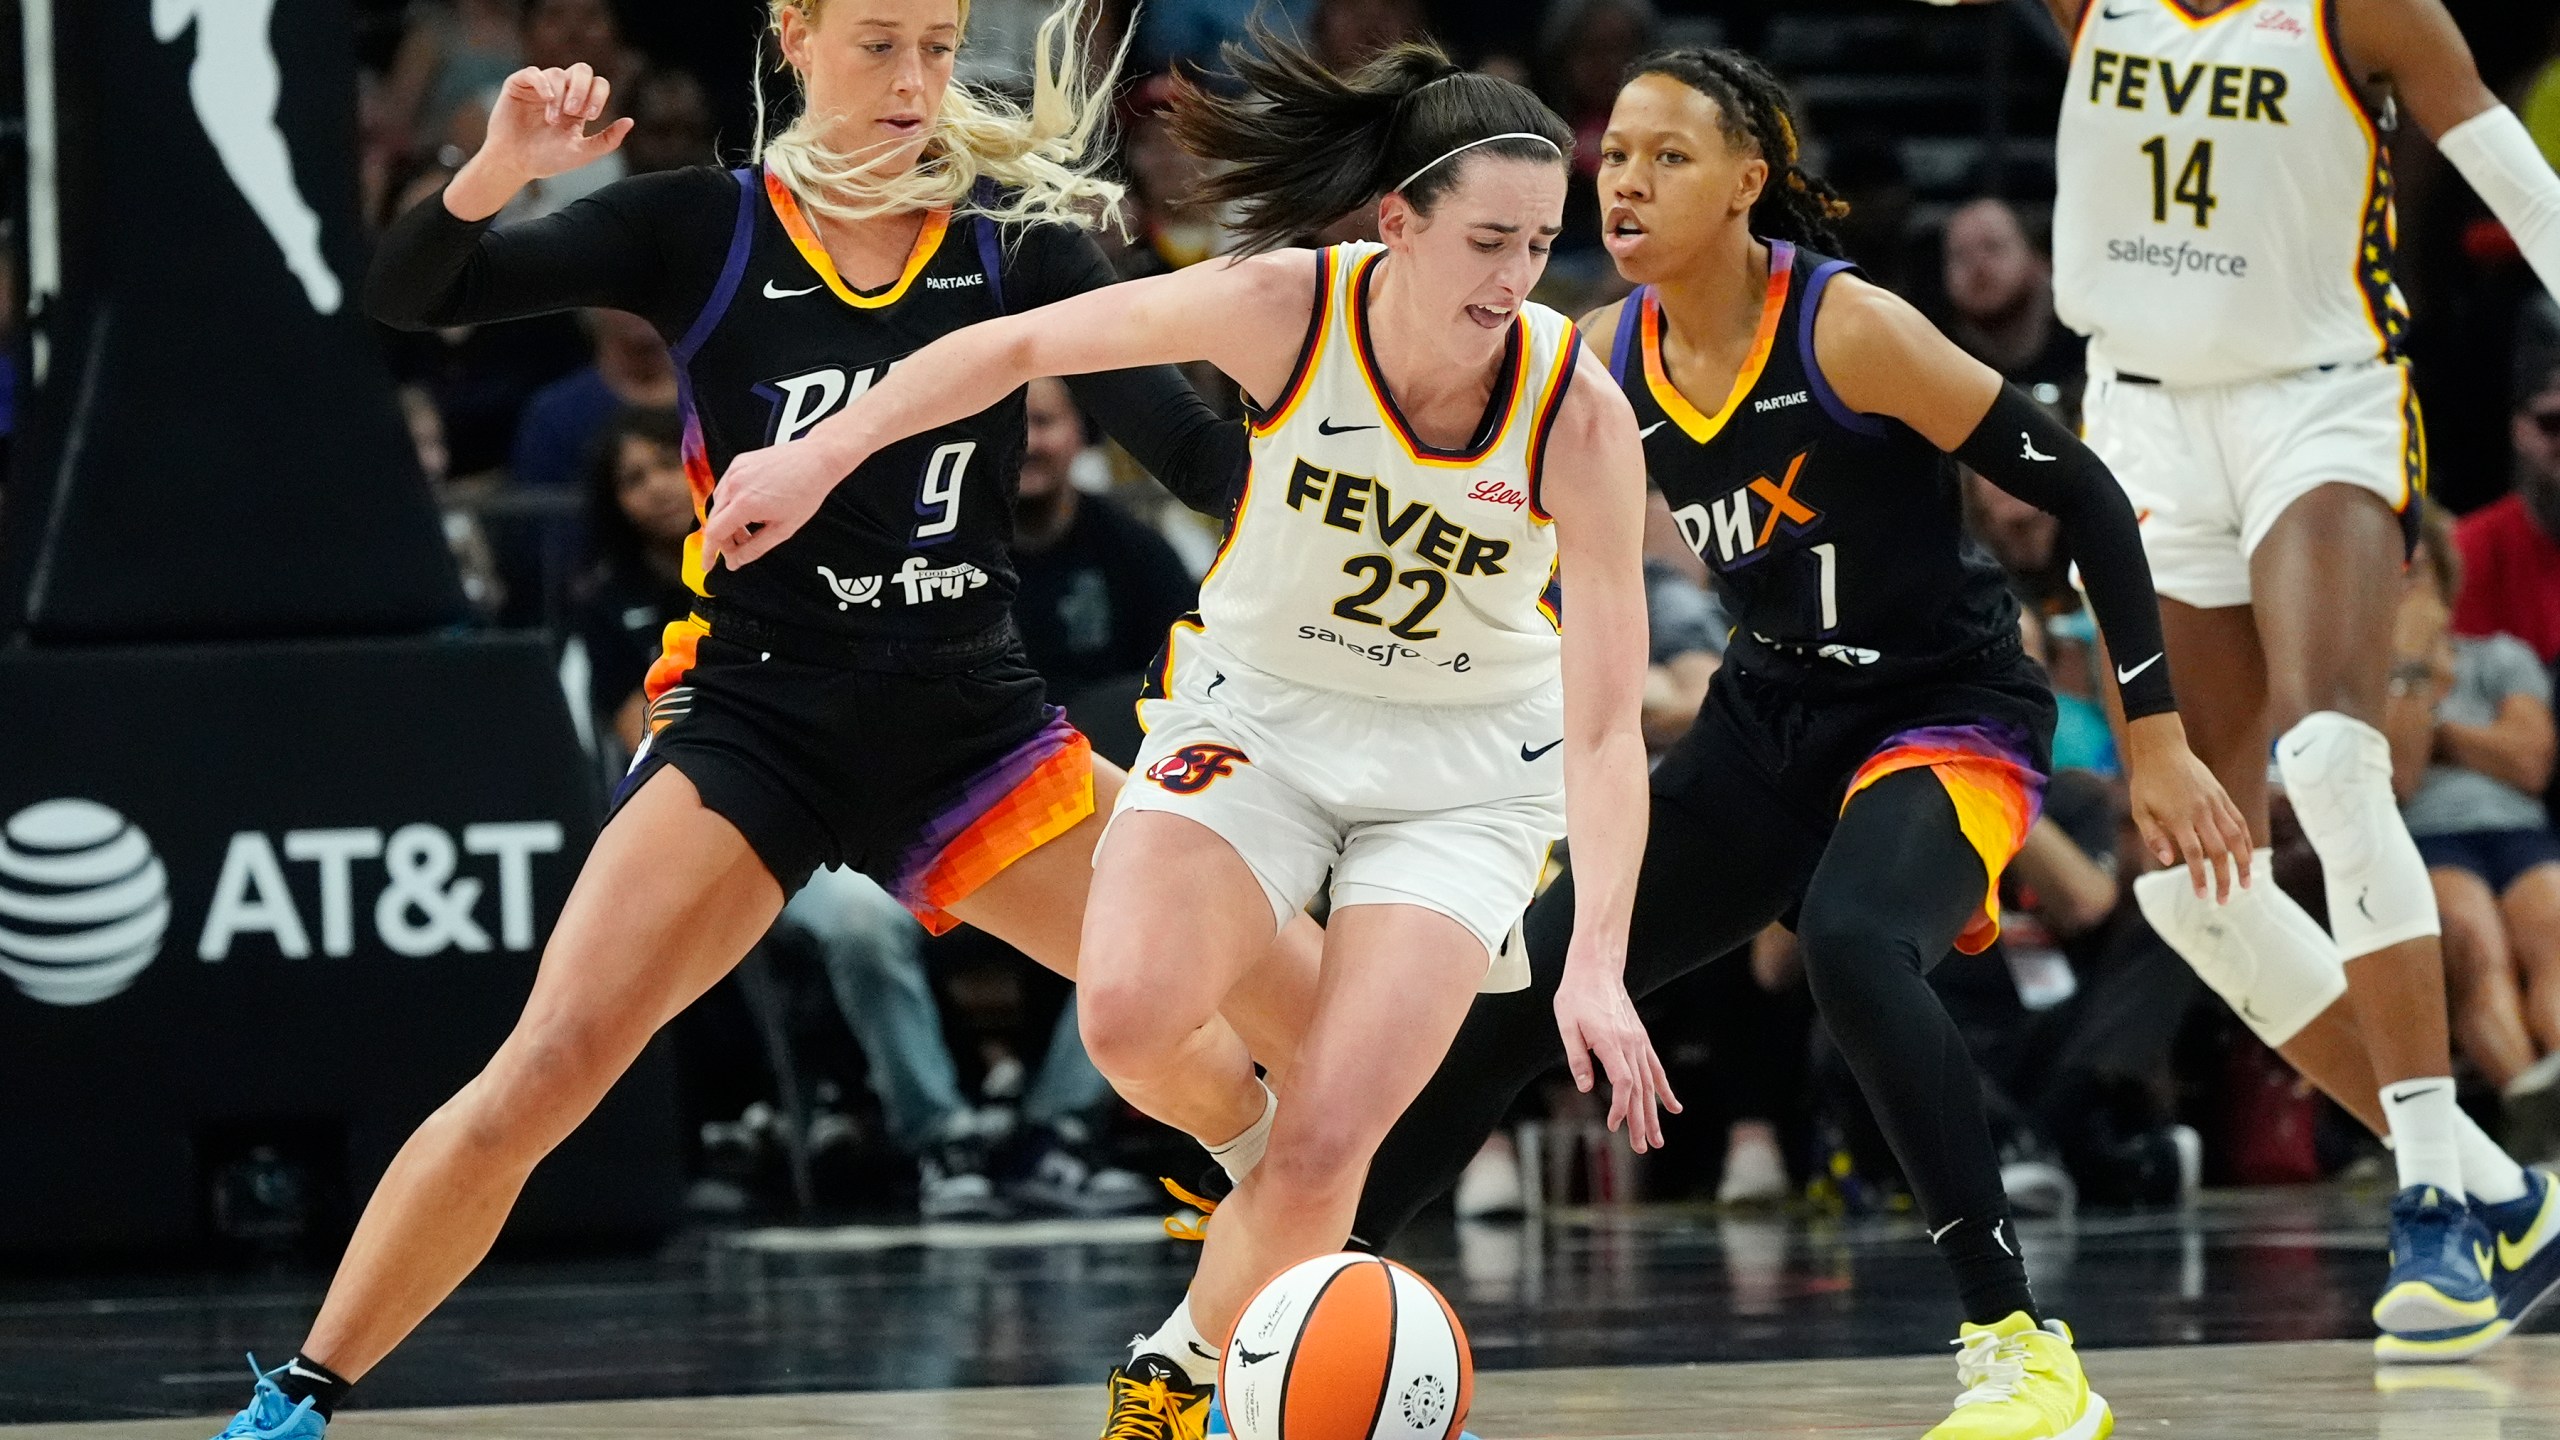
x=1347 y=1347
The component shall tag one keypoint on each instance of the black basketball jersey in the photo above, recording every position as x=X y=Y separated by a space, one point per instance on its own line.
x=1838 y=538
x=915 y=542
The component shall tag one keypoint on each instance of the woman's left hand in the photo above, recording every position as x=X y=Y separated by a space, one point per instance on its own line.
x=2181 y=809
x=1595 y=1017
x=766 y=496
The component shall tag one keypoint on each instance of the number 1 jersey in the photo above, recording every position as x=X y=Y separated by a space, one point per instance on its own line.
x=2223 y=205
x=1366 y=561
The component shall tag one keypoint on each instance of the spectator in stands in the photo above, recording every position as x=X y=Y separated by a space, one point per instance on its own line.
x=451 y=56
x=2471 y=750
x=671 y=126
x=2511 y=547
x=1174 y=33
x=482 y=590
x=1167 y=228
x=1586 y=48
x=560 y=423
x=639 y=511
x=2000 y=289
x=1098 y=588
x=558 y=34
x=1685 y=629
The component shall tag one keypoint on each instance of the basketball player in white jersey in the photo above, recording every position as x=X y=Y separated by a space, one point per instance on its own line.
x=2223 y=233
x=1377 y=684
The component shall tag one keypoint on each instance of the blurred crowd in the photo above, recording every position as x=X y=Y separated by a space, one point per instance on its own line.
x=852 y=1047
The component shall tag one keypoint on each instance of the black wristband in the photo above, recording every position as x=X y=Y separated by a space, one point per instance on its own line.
x=2021 y=448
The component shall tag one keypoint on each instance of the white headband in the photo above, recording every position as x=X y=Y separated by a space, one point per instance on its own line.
x=1470 y=145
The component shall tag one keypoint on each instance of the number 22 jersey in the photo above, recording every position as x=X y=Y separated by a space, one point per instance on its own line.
x=1362 y=559
x=1838 y=538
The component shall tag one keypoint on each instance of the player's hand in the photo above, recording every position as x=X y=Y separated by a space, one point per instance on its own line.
x=1595 y=1017
x=538 y=127
x=2181 y=809
x=765 y=497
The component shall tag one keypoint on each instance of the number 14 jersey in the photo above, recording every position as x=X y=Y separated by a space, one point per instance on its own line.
x=1362 y=559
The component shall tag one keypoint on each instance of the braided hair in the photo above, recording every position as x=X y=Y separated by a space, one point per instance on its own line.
x=1753 y=110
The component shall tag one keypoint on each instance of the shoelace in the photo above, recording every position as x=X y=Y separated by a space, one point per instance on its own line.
x=249 y=1424
x=1140 y=1410
x=1991 y=1368
x=1195 y=1231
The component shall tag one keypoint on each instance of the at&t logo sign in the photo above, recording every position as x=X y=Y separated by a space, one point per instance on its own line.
x=84 y=904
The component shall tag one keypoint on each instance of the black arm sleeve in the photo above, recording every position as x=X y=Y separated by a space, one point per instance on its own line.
x=652 y=245
x=1153 y=412
x=2021 y=448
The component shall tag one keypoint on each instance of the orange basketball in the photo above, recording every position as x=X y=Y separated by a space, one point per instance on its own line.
x=1346 y=1347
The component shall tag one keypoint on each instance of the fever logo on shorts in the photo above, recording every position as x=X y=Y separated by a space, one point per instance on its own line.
x=1189 y=770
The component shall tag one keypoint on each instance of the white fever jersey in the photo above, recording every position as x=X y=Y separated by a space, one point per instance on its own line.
x=1365 y=561
x=2224 y=209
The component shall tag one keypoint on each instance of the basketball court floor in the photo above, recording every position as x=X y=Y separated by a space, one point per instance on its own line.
x=2243 y=1319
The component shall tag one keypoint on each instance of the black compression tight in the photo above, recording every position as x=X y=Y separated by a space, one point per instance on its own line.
x=1884 y=899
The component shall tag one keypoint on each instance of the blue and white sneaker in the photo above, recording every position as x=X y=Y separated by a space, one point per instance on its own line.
x=270 y=1416
x=2441 y=1259
x=2525 y=1230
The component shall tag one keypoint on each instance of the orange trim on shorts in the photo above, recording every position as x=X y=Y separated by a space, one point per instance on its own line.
x=677 y=646
x=1996 y=800
x=1053 y=799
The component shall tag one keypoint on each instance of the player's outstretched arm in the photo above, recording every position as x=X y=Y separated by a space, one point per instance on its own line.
x=2415 y=45
x=1247 y=318
x=1593 y=484
x=1882 y=357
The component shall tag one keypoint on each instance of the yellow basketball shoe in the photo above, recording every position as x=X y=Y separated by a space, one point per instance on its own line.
x=2023 y=1383
x=1151 y=1399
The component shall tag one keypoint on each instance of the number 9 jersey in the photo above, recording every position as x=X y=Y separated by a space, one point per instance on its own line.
x=1365 y=561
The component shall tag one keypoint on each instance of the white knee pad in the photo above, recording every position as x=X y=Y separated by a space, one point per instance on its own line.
x=2263 y=954
x=2337 y=772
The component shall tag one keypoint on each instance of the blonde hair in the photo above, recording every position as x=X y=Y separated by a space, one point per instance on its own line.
x=1043 y=159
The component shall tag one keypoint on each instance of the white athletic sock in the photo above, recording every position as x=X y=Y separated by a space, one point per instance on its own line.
x=1239 y=1155
x=1180 y=1341
x=2424 y=1143
x=2489 y=1173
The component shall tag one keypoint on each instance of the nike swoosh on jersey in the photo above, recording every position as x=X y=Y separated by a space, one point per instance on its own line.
x=1647 y=432
x=2118 y=14
x=1528 y=754
x=2126 y=676
x=1327 y=427
x=771 y=293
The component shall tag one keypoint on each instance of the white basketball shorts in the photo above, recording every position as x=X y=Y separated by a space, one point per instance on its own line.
x=2210 y=467
x=1452 y=808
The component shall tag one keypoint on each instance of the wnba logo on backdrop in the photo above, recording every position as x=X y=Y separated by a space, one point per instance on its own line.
x=84 y=903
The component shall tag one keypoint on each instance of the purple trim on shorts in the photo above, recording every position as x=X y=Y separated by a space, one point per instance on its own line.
x=1806 y=307
x=741 y=241
x=974 y=798
x=1630 y=320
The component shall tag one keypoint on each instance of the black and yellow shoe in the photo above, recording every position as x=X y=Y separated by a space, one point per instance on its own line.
x=1151 y=1399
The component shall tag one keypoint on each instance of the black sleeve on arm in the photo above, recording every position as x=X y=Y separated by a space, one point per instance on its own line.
x=2021 y=448
x=652 y=245
x=1153 y=412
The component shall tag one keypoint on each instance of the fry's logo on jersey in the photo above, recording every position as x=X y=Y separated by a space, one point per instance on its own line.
x=1350 y=502
x=1731 y=531
x=918 y=583
x=1193 y=768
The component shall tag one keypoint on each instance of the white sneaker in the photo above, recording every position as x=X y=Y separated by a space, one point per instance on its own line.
x=2039 y=1187
x=1489 y=1188
x=1755 y=1172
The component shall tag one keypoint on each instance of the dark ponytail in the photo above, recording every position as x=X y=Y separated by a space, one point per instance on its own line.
x=1795 y=204
x=1303 y=146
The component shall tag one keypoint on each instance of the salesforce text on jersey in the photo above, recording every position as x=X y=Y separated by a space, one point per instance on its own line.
x=2179 y=259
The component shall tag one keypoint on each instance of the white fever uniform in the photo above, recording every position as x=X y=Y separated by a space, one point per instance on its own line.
x=1372 y=685
x=2223 y=234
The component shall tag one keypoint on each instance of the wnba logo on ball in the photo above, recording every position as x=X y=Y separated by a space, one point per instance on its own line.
x=83 y=902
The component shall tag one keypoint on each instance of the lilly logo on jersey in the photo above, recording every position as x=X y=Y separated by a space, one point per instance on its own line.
x=1730 y=531
x=1194 y=768
x=1494 y=492
x=1351 y=502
